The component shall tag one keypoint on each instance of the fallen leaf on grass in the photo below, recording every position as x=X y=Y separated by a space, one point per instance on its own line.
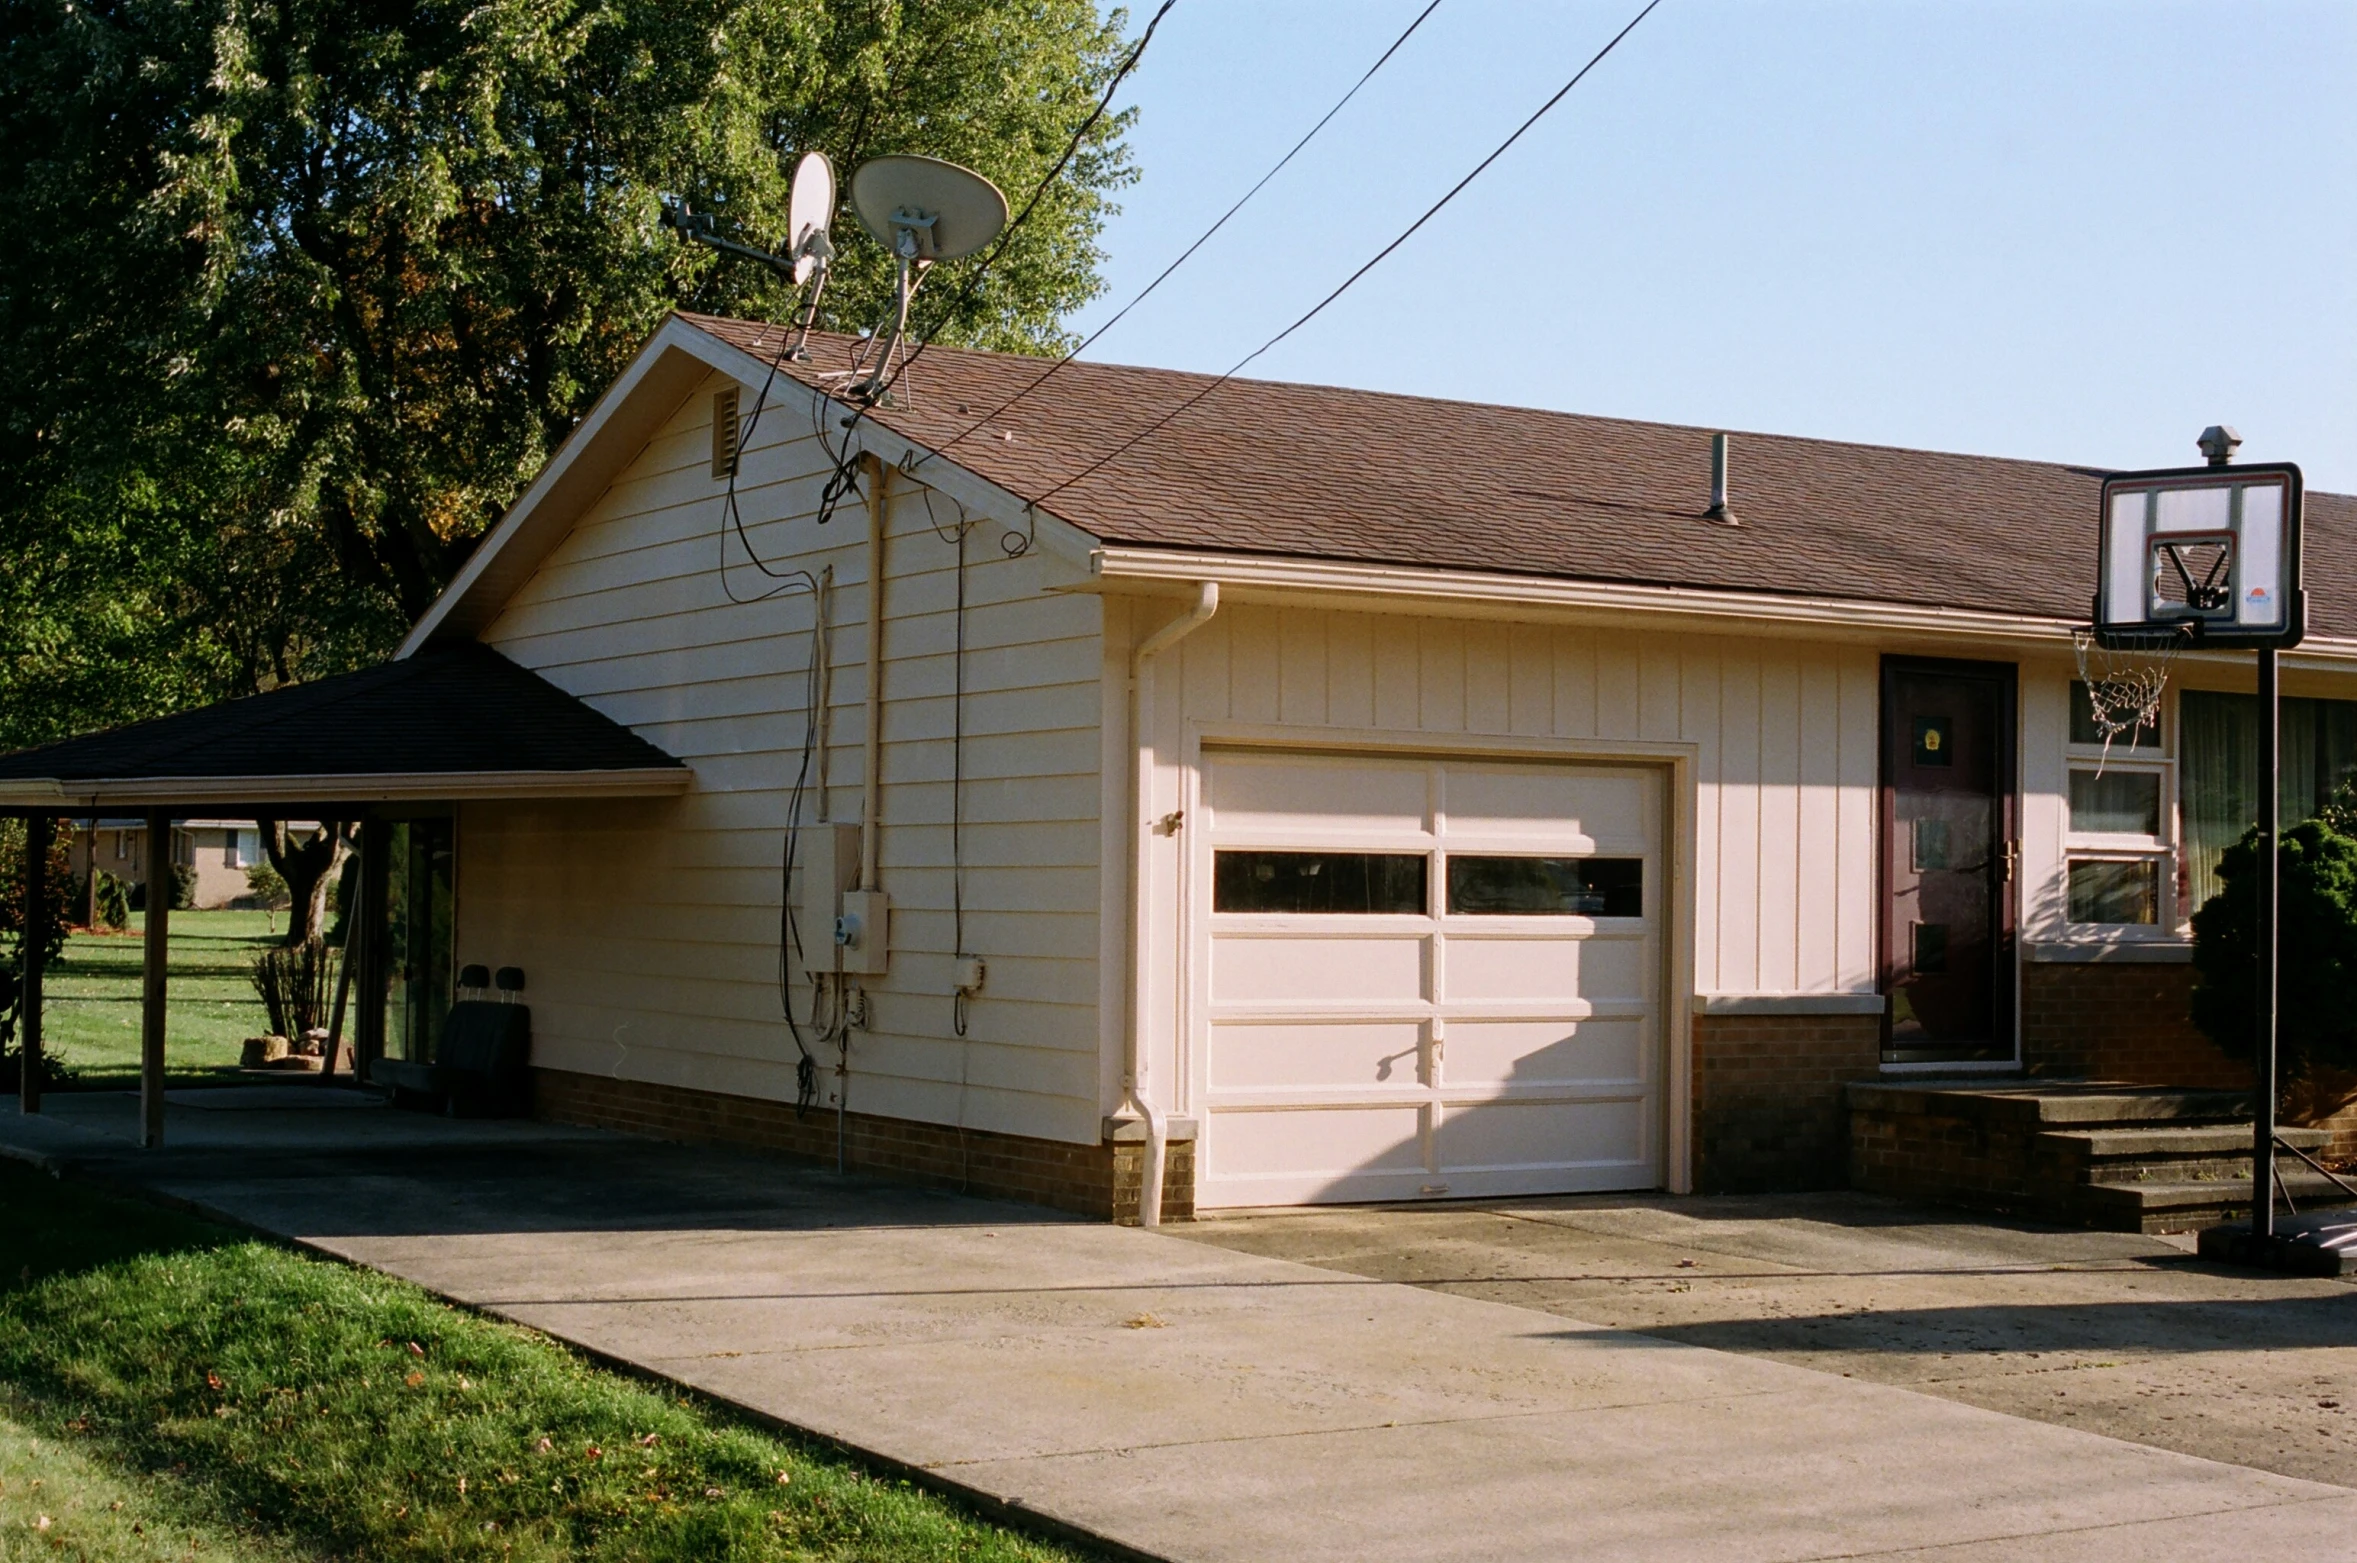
x=784 y=1478
x=414 y=1380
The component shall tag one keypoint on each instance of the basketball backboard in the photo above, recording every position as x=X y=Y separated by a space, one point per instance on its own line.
x=2210 y=550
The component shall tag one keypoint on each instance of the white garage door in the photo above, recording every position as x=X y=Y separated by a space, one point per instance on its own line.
x=1427 y=978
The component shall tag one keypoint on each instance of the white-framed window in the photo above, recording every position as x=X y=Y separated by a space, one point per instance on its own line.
x=245 y=848
x=2119 y=827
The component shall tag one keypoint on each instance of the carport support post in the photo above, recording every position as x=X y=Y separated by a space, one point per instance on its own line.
x=2263 y=1040
x=158 y=949
x=29 y=942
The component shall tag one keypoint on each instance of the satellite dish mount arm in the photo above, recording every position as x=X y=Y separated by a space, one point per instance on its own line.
x=806 y=261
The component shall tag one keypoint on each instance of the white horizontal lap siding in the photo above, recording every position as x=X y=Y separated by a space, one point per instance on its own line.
x=649 y=930
x=1783 y=736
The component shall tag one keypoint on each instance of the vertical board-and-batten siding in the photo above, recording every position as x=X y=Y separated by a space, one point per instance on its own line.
x=1783 y=733
x=650 y=929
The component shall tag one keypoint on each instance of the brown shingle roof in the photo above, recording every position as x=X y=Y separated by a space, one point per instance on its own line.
x=1317 y=471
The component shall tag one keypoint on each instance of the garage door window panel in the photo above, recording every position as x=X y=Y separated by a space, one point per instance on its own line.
x=1483 y=886
x=1321 y=883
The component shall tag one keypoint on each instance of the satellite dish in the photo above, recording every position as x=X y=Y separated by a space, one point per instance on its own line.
x=922 y=209
x=808 y=211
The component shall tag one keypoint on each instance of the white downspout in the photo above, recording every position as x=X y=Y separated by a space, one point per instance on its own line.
x=1135 y=1077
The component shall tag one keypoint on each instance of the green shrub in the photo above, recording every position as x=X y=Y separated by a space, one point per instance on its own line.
x=183 y=888
x=2316 y=922
x=267 y=886
x=112 y=902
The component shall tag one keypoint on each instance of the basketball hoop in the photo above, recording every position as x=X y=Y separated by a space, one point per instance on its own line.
x=2126 y=678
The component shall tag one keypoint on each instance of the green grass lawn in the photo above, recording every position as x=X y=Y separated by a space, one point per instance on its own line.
x=168 y=1388
x=91 y=1017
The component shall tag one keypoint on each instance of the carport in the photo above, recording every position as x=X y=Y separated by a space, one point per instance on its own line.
x=413 y=738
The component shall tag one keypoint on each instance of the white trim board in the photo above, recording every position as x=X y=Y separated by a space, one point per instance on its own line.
x=210 y=791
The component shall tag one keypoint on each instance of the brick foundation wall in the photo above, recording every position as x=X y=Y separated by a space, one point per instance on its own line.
x=1101 y=1180
x=2119 y=1021
x=1769 y=1114
x=2106 y=1021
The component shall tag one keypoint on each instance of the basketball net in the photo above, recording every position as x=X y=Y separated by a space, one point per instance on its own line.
x=2125 y=685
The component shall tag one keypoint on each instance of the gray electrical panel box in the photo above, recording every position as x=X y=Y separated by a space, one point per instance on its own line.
x=826 y=863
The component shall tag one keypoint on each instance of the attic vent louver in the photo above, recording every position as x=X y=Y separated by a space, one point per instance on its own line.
x=725 y=433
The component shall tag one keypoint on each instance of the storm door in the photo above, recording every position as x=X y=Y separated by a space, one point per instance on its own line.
x=1948 y=860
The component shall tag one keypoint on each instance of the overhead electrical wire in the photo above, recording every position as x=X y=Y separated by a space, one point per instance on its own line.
x=974 y=275
x=1375 y=260
x=1188 y=253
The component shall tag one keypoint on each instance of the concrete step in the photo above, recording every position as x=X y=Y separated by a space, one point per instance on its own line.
x=2188 y=1205
x=2172 y=1141
x=2033 y=1105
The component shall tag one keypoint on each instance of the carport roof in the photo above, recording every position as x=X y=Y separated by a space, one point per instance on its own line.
x=459 y=721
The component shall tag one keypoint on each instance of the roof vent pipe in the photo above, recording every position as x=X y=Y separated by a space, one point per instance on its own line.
x=1718 y=482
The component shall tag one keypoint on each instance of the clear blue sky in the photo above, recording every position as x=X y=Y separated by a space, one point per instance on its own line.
x=2069 y=230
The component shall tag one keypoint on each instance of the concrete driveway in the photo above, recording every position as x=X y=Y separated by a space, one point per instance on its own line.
x=2127 y=1336
x=1174 y=1397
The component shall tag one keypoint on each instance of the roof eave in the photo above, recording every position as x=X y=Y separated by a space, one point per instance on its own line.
x=81 y=795
x=1475 y=594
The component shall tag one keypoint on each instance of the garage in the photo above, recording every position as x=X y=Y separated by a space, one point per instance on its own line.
x=1426 y=978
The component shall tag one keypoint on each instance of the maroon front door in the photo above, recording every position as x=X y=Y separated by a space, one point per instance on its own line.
x=1948 y=859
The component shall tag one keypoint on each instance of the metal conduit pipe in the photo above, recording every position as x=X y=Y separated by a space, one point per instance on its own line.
x=871 y=803
x=1136 y=1081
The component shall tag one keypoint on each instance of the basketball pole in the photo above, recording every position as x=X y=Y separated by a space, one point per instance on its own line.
x=2263 y=1049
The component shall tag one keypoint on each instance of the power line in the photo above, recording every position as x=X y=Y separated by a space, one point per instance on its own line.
x=1205 y=238
x=974 y=277
x=1377 y=259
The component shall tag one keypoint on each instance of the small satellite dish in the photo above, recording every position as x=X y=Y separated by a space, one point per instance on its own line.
x=809 y=210
x=922 y=209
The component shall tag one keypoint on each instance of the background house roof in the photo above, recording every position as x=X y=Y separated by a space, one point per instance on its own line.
x=455 y=712
x=1321 y=472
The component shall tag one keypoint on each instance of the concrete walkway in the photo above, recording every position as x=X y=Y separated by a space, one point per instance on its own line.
x=1181 y=1400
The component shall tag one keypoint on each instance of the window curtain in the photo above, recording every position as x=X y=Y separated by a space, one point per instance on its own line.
x=2218 y=771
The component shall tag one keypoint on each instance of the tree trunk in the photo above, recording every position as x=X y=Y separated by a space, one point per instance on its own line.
x=304 y=865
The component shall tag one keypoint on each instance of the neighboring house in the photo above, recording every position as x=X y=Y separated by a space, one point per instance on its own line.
x=218 y=851
x=1386 y=798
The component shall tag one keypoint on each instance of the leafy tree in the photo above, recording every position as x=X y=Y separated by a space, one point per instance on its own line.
x=13 y=877
x=295 y=297
x=2316 y=919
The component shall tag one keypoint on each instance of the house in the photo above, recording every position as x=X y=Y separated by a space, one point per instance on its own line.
x=217 y=851
x=1329 y=796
